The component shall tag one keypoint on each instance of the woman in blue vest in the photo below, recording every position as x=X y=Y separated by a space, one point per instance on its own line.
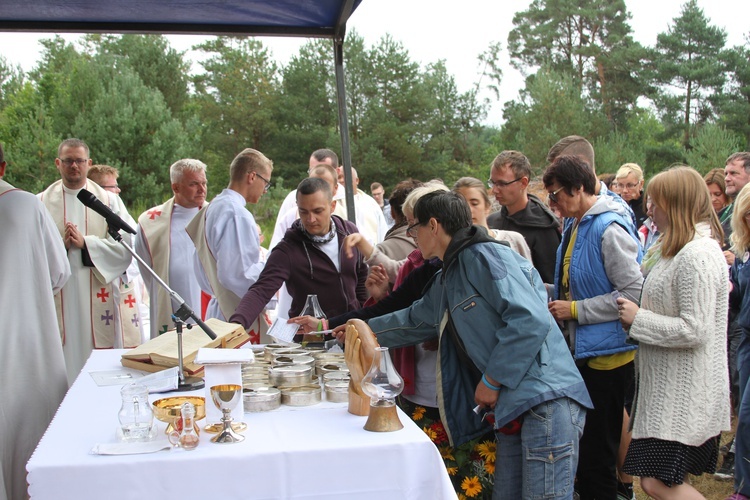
x=598 y=260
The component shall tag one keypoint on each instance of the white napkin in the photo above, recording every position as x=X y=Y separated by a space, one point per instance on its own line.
x=129 y=448
x=213 y=356
x=163 y=381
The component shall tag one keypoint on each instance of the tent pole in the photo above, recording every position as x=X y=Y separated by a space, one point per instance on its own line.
x=346 y=155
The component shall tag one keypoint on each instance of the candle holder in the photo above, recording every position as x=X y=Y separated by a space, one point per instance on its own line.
x=383 y=384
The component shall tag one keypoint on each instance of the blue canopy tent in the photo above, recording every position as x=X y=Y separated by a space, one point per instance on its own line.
x=303 y=18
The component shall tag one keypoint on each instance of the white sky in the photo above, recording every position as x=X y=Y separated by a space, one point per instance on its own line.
x=456 y=31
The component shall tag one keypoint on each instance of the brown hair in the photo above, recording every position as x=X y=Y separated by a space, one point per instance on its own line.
x=321 y=155
x=517 y=161
x=471 y=182
x=716 y=176
x=72 y=143
x=249 y=160
x=574 y=145
x=97 y=172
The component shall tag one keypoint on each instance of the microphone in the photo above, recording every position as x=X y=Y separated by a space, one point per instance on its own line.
x=114 y=220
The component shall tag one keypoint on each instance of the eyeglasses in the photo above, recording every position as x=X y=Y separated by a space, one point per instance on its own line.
x=628 y=186
x=501 y=184
x=111 y=186
x=266 y=181
x=70 y=161
x=553 y=195
x=412 y=230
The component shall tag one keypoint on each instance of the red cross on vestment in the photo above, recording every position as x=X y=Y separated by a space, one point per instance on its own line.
x=152 y=214
x=130 y=301
x=103 y=294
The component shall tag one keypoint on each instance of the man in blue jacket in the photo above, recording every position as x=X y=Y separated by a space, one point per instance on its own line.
x=500 y=349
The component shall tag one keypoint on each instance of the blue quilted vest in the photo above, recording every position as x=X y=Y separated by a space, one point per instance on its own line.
x=588 y=278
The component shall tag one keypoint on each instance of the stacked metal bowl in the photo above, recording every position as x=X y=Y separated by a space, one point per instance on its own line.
x=290 y=374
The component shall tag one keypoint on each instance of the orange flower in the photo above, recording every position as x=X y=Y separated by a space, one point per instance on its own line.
x=471 y=486
x=487 y=450
x=446 y=452
x=418 y=413
x=452 y=471
x=430 y=433
x=489 y=467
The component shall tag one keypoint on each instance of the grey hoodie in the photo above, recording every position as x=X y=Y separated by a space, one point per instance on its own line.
x=620 y=255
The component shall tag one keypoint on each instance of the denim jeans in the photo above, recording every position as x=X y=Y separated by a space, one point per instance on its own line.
x=541 y=460
x=742 y=437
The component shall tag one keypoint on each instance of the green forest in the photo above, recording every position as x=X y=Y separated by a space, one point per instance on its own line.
x=139 y=106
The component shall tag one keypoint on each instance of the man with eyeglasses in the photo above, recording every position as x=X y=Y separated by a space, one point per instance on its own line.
x=524 y=212
x=162 y=242
x=129 y=286
x=227 y=244
x=86 y=305
x=499 y=351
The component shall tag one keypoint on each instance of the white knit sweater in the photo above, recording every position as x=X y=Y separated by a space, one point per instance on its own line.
x=683 y=386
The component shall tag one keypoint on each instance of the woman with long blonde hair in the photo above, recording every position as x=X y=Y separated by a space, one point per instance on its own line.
x=739 y=299
x=682 y=398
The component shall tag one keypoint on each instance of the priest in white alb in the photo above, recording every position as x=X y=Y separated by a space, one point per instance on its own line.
x=165 y=246
x=33 y=266
x=228 y=259
x=85 y=306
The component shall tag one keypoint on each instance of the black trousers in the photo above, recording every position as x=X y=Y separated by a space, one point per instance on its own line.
x=597 y=464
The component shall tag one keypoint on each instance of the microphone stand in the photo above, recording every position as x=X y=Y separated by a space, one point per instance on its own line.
x=183 y=313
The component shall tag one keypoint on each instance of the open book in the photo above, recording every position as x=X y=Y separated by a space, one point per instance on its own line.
x=161 y=352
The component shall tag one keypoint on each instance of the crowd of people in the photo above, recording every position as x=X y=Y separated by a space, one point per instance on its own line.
x=556 y=335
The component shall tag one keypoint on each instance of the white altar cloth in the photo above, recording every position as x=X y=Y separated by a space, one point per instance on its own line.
x=315 y=452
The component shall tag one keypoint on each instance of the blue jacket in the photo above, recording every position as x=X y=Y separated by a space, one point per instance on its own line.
x=588 y=278
x=498 y=304
x=739 y=297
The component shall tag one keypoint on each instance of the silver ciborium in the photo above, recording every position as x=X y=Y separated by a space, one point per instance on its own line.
x=226 y=397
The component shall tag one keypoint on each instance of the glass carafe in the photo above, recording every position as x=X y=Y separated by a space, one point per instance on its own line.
x=312 y=308
x=185 y=437
x=136 y=416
